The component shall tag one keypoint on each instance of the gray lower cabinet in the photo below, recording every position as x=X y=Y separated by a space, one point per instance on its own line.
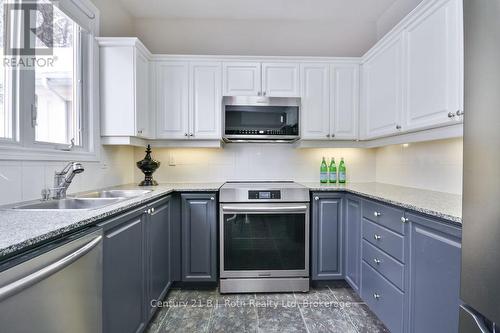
x=352 y=244
x=136 y=266
x=326 y=240
x=199 y=237
x=123 y=273
x=434 y=276
x=158 y=228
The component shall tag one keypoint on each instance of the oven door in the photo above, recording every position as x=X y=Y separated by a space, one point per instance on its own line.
x=264 y=240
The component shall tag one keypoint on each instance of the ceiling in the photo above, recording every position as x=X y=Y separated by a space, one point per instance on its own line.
x=342 y=10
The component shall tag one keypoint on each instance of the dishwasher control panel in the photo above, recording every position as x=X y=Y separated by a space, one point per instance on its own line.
x=264 y=195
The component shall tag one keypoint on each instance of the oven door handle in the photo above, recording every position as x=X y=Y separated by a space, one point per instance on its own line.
x=270 y=208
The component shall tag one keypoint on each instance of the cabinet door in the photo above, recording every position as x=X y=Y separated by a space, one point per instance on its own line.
x=434 y=67
x=117 y=93
x=383 y=90
x=158 y=229
x=241 y=79
x=142 y=108
x=352 y=220
x=199 y=237
x=123 y=276
x=280 y=79
x=172 y=85
x=315 y=100
x=205 y=100
x=344 y=101
x=434 y=276
x=326 y=237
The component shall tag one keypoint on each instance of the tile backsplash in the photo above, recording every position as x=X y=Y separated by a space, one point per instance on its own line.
x=256 y=162
x=435 y=165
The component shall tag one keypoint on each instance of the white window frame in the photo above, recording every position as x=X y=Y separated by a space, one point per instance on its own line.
x=23 y=145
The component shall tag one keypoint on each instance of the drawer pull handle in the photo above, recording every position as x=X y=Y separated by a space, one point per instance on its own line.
x=376 y=214
x=377 y=261
x=377 y=237
x=376 y=296
x=404 y=219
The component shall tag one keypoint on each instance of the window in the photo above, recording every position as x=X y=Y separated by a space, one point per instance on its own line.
x=57 y=89
x=48 y=100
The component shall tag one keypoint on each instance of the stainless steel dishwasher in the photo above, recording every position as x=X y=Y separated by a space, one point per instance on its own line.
x=55 y=288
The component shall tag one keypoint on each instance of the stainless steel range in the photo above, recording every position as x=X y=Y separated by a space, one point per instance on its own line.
x=264 y=237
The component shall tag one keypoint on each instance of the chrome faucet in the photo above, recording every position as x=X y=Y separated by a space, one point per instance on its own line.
x=62 y=180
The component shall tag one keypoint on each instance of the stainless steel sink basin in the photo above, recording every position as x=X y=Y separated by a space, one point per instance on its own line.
x=113 y=194
x=69 y=203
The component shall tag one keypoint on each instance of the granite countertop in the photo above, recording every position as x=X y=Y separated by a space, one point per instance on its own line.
x=20 y=229
x=439 y=204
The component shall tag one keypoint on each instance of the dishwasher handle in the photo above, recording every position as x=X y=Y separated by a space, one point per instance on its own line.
x=33 y=278
x=246 y=208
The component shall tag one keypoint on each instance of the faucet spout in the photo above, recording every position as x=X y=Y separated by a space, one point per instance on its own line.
x=63 y=178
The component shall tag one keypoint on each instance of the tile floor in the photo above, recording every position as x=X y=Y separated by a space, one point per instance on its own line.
x=333 y=308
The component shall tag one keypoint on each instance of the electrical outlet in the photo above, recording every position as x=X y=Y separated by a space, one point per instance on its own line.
x=171 y=159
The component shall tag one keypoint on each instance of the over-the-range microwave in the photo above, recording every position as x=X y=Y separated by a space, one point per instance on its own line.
x=260 y=119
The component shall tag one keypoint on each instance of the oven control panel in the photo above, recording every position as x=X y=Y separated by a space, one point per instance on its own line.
x=264 y=195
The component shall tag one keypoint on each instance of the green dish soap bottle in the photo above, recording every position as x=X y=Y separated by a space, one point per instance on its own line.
x=342 y=172
x=332 y=172
x=323 y=172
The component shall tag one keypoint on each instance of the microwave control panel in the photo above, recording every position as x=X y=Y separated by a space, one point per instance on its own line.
x=264 y=195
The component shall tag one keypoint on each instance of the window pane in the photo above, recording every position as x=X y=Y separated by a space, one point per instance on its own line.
x=5 y=109
x=56 y=86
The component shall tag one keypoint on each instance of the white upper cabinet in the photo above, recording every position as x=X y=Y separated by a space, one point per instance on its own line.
x=382 y=90
x=260 y=79
x=315 y=101
x=172 y=97
x=124 y=88
x=433 y=67
x=344 y=98
x=280 y=79
x=205 y=107
x=241 y=79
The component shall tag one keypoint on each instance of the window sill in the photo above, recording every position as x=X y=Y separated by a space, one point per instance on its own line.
x=8 y=152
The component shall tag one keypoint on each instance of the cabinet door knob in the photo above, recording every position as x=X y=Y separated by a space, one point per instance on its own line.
x=152 y=210
x=258 y=93
x=185 y=134
x=333 y=135
x=328 y=135
x=460 y=113
x=451 y=115
x=376 y=296
x=139 y=132
x=398 y=127
x=191 y=134
x=377 y=261
x=212 y=198
x=149 y=211
x=376 y=214
x=377 y=237
x=316 y=198
x=404 y=219
x=264 y=93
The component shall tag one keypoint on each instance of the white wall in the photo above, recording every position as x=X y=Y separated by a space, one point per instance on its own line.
x=393 y=15
x=434 y=165
x=255 y=37
x=256 y=162
x=24 y=180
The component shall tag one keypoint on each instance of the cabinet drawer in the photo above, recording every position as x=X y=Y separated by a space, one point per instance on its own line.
x=384 y=264
x=385 y=300
x=387 y=216
x=385 y=239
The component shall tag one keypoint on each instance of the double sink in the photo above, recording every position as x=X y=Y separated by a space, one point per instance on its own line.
x=85 y=201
